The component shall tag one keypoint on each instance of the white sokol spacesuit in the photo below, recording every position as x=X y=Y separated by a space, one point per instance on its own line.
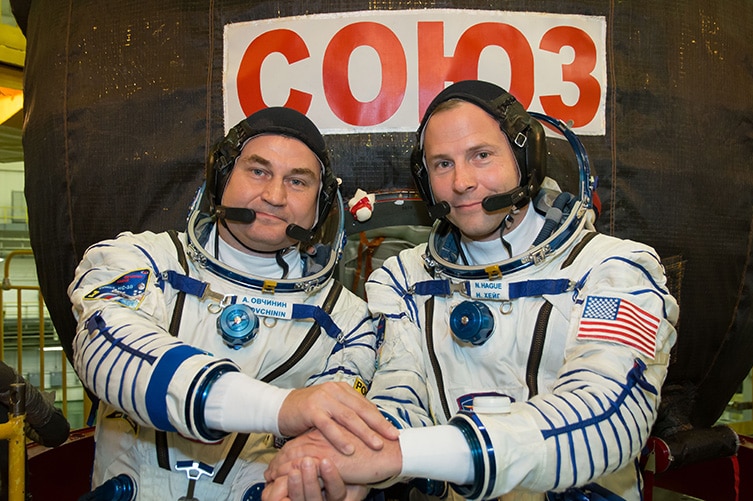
x=161 y=319
x=571 y=334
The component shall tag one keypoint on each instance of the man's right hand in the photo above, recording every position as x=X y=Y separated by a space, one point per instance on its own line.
x=332 y=408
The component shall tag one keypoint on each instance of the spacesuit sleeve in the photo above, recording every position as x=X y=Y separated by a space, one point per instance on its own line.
x=123 y=351
x=605 y=399
x=399 y=388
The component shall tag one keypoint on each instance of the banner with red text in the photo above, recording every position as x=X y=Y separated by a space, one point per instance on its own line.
x=377 y=71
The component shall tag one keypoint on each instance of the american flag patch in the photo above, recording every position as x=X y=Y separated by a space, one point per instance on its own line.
x=620 y=321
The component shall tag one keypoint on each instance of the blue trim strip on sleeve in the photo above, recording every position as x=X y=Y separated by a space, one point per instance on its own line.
x=200 y=393
x=168 y=364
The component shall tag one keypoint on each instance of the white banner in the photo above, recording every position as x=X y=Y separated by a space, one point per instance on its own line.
x=377 y=71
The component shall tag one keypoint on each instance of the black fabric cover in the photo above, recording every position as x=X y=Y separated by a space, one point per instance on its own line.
x=123 y=103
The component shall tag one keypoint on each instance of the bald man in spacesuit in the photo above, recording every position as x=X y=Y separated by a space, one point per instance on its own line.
x=524 y=352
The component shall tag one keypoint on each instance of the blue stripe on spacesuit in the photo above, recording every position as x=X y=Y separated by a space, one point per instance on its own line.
x=410 y=303
x=643 y=270
x=359 y=340
x=408 y=298
x=83 y=276
x=569 y=437
x=363 y=340
x=160 y=282
x=660 y=294
x=621 y=417
x=634 y=378
x=592 y=466
x=365 y=320
x=149 y=338
x=337 y=370
x=167 y=366
x=558 y=463
x=96 y=322
x=100 y=244
x=355 y=338
x=395 y=285
x=110 y=342
x=340 y=347
x=91 y=366
x=405 y=416
x=645 y=404
x=402 y=291
x=401 y=265
x=402 y=413
x=110 y=376
x=619 y=449
x=122 y=369
x=600 y=433
x=395 y=317
x=652 y=254
x=401 y=403
x=410 y=389
x=366 y=344
x=389 y=417
x=629 y=411
x=134 y=406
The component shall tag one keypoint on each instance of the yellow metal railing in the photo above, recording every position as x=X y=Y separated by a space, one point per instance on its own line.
x=40 y=312
x=13 y=214
x=13 y=432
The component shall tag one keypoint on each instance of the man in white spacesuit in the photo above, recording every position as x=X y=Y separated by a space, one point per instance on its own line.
x=206 y=346
x=535 y=344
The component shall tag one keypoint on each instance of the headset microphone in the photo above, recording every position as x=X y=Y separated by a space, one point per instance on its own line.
x=439 y=210
x=515 y=198
x=298 y=233
x=237 y=214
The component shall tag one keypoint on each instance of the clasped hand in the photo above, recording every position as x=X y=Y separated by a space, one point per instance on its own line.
x=339 y=412
x=309 y=464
